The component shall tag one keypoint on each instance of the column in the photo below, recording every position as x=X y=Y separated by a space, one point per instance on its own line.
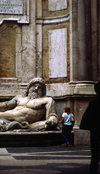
x=39 y=40
x=94 y=39
x=73 y=40
x=84 y=41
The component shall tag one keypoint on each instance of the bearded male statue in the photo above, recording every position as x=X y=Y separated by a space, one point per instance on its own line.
x=32 y=112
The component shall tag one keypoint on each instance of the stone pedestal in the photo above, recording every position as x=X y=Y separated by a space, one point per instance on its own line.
x=30 y=139
x=81 y=137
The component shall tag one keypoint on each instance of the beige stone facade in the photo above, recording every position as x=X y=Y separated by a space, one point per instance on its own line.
x=58 y=41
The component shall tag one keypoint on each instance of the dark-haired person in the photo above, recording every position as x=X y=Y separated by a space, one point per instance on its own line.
x=67 y=118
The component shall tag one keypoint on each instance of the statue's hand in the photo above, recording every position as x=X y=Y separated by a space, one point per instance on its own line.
x=51 y=122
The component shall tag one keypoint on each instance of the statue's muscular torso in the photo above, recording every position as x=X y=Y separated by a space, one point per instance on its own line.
x=25 y=110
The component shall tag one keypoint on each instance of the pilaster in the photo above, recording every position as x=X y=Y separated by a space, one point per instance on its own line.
x=39 y=40
x=94 y=38
x=83 y=32
x=73 y=40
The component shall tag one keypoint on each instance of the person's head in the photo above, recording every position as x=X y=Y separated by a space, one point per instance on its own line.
x=67 y=109
x=36 y=88
x=97 y=88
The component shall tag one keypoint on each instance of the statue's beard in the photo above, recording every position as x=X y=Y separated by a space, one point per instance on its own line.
x=34 y=95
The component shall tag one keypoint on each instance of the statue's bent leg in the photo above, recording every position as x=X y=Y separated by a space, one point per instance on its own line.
x=38 y=126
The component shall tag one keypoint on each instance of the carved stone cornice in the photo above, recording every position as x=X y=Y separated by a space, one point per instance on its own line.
x=53 y=20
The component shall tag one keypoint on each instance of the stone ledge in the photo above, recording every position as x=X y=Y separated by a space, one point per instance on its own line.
x=62 y=90
x=25 y=139
x=29 y=133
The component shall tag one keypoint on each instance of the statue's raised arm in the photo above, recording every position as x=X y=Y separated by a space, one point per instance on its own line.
x=8 y=104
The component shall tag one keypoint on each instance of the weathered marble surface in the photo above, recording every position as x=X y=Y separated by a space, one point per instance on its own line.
x=34 y=111
x=57 y=53
x=54 y=5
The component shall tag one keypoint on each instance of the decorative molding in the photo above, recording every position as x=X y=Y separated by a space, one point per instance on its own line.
x=8 y=83
x=8 y=79
x=53 y=20
x=20 y=18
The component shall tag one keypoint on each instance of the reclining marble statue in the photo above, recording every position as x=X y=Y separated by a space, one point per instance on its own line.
x=32 y=112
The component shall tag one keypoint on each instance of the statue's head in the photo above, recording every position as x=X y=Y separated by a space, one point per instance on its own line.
x=36 y=88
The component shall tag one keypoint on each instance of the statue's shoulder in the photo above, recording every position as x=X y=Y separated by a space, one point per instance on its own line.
x=48 y=99
x=18 y=96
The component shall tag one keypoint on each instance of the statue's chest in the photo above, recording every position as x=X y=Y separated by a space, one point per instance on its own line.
x=22 y=101
x=35 y=104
